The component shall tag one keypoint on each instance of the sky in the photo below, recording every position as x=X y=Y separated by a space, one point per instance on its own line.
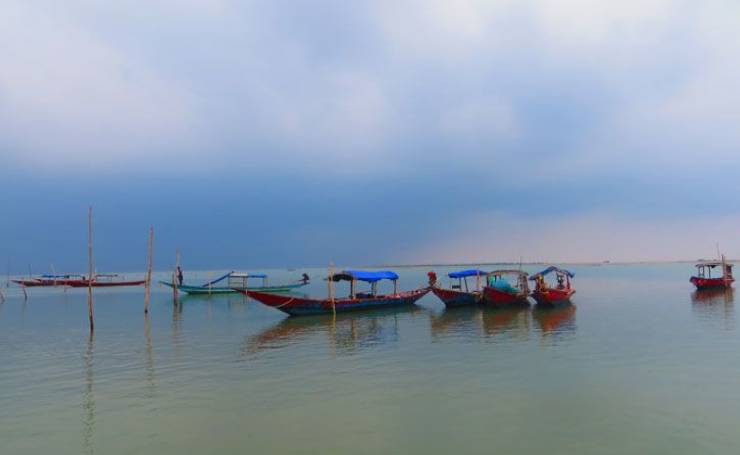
x=294 y=133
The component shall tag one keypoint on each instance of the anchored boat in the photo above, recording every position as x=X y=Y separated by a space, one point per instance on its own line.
x=704 y=280
x=303 y=306
x=459 y=293
x=104 y=280
x=48 y=280
x=500 y=291
x=236 y=281
x=559 y=293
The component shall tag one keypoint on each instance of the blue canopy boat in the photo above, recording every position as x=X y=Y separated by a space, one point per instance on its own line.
x=234 y=282
x=459 y=293
x=300 y=306
x=560 y=293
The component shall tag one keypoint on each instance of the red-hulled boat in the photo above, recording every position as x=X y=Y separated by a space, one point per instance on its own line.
x=48 y=280
x=103 y=281
x=304 y=306
x=704 y=280
x=545 y=294
x=499 y=292
x=460 y=293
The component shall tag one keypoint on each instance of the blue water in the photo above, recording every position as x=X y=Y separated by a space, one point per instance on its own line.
x=639 y=364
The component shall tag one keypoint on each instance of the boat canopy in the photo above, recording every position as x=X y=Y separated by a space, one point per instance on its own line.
x=552 y=269
x=509 y=272
x=60 y=276
x=712 y=264
x=467 y=273
x=234 y=274
x=364 y=275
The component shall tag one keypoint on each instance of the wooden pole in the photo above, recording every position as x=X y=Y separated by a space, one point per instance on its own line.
x=90 y=269
x=331 y=288
x=174 y=276
x=149 y=259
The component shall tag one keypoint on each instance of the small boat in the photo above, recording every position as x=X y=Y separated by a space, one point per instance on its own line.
x=303 y=306
x=234 y=282
x=103 y=280
x=48 y=280
x=459 y=293
x=704 y=280
x=560 y=294
x=500 y=292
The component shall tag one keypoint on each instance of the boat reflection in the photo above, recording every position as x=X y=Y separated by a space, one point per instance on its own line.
x=717 y=304
x=478 y=321
x=554 y=322
x=347 y=332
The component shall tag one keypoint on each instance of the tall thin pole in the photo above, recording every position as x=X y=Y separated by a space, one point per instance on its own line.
x=175 y=283
x=331 y=288
x=150 y=260
x=90 y=268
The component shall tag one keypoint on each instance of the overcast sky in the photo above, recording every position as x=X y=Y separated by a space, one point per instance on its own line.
x=291 y=133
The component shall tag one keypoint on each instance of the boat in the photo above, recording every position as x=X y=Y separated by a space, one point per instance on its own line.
x=545 y=294
x=234 y=282
x=704 y=280
x=48 y=280
x=103 y=280
x=304 y=306
x=459 y=293
x=500 y=292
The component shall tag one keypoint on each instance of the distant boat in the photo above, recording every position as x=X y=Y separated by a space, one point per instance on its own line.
x=461 y=293
x=301 y=306
x=102 y=280
x=48 y=280
x=500 y=292
x=236 y=281
x=704 y=280
x=561 y=293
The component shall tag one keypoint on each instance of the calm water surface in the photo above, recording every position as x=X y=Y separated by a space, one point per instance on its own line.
x=640 y=364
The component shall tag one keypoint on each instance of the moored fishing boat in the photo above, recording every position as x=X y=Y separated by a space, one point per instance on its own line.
x=459 y=293
x=303 y=306
x=104 y=280
x=704 y=280
x=236 y=281
x=48 y=280
x=500 y=292
x=559 y=294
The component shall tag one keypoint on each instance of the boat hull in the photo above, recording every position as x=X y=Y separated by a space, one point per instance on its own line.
x=496 y=298
x=104 y=284
x=300 y=306
x=454 y=298
x=553 y=296
x=36 y=282
x=199 y=290
x=711 y=283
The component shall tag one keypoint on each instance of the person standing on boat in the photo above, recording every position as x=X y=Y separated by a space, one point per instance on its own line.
x=305 y=279
x=179 y=276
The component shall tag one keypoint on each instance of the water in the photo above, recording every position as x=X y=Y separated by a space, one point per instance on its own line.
x=639 y=364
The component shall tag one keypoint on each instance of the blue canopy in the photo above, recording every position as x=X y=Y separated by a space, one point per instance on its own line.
x=550 y=270
x=364 y=275
x=467 y=273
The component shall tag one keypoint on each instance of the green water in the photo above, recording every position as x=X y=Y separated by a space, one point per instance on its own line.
x=640 y=364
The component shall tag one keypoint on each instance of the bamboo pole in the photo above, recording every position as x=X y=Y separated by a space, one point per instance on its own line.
x=90 y=269
x=174 y=277
x=150 y=259
x=331 y=288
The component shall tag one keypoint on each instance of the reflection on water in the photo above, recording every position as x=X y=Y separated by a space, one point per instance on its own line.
x=347 y=332
x=715 y=304
x=150 y=372
x=475 y=322
x=88 y=400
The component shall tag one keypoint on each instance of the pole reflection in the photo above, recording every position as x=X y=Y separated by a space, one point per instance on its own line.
x=88 y=400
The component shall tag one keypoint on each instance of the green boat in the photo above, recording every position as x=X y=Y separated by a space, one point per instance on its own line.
x=237 y=281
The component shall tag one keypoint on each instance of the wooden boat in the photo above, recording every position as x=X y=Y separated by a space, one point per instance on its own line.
x=460 y=293
x=302 y=306
x=499 y=292
x=48 y=280
x=103 y=281
x=558 y=294
x=234 y=282
x=704 y=280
